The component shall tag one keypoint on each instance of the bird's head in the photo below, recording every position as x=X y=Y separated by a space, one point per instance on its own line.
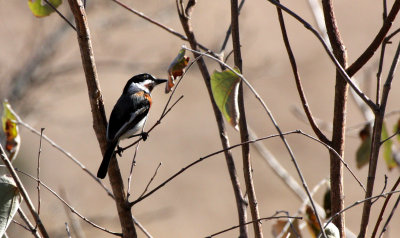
x=145 y=82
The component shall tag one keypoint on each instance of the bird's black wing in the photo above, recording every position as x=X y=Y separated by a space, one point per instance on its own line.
x=127 y=112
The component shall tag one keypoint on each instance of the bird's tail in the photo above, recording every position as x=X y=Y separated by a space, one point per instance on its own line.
x=106 y=160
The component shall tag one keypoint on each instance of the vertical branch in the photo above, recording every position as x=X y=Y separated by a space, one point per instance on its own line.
x=339 y=117
x=244 y=134
x=376 y=143
x=184 y=16
x=99 y=116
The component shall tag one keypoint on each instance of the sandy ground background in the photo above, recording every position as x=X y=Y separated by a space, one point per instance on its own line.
x=200 y=201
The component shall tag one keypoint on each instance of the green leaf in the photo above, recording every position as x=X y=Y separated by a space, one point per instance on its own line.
x=10 y=201
x=176 y=69
x=364 y=150
x=40 y=8
x=225 y=89
x=327 y=202
x=9 y=136
x=388 y=149
x=396 y=129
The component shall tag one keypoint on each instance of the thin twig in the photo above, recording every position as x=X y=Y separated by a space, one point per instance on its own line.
x=256 y=221
x=198 y=161
x=229 y=148
x=338 y=157
x=269 y=113
x=169 y=29
x=299 y=86
x=228 y=32
x=66 y=153
x=380 y=217
x=151 y=180
x=341 y=70
x=385 y=42
x=302 y=208
x=128 y=190
x=390 y=217
x=74 y=221
x=38 y=168
x=21 y=225
x=67 y=229
x=356 y=203
x=141 y=227
x=369 y=52
x=23 y=192
x=60 y=14
x=318 y=15
x=390 y=137
x=383 y=189
x=68 y=205
x=28 y=223
x=279 y=170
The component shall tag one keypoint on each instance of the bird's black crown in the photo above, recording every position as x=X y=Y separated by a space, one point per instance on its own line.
x=141 y=77
x=138 y=79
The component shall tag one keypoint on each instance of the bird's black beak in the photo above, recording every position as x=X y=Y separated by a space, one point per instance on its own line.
x=159 y=81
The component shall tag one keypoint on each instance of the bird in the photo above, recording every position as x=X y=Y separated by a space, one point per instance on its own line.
x=128 y=115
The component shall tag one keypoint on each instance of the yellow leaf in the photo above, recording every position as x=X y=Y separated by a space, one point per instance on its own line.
x=10 y=133
x=40 y=8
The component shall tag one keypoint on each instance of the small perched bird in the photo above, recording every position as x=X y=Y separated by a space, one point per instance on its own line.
x=128 y=115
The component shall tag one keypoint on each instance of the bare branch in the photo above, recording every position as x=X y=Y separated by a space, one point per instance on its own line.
x=241 y=204
x=151 y=180
x=269 y=113
x=369 y=52
x=169 y=29
x=341 y=70
x=38 y=168
x=128 y=192
x=376 y=143
x=31 y=228
x=300 y=89
x=256 y=221
x=99 y=115
x=23 y=192
x=66 y=153
x=244 y=134
x=380 y=217
x=60 y=14
x=69 y=206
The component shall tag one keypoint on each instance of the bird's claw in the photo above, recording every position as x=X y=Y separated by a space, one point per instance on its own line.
x=119 y=150
x=144 y=135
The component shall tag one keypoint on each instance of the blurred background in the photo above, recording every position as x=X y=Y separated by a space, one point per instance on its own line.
x=42 y=76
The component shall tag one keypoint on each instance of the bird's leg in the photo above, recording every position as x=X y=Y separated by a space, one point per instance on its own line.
x=144 y=135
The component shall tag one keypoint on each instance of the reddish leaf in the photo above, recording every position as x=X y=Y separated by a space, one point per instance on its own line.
x=176 y=69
